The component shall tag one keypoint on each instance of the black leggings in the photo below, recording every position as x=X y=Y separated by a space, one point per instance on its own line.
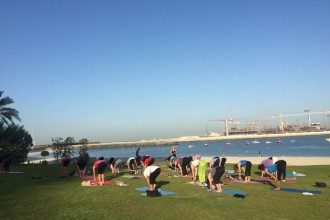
x=281 y=169
x=219 y=171
x=153 y=176
x=185 y=162
x=248 y=168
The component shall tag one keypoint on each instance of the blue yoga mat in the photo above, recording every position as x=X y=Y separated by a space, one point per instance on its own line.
x=162 y=192
x=232 y=192
x=299 y=190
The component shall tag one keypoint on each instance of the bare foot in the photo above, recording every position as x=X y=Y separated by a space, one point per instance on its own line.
x=277 y=189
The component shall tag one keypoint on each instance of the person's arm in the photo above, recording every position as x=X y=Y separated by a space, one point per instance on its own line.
x=111 y=168
x=239 y=170
x=148 y=181
x=270 y=174
x=94 y=172
x=192 y=168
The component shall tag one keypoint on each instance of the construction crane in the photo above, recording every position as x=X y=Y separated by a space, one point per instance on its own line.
x=228 y=121
x=307 y=112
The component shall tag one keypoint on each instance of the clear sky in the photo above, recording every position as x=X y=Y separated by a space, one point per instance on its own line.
x=120 y=70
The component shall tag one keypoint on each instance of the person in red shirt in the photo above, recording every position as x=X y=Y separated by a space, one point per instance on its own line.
x=100 y=165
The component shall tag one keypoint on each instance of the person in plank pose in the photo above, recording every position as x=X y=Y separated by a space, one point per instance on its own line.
x=279 y=168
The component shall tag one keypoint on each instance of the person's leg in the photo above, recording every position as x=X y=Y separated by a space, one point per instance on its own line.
x=248 y=171
x=219 y=189
x=153 y=177
x=281 y=172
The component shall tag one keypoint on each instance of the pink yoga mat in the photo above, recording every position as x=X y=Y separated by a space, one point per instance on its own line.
x=242 y=181
x=96 y=183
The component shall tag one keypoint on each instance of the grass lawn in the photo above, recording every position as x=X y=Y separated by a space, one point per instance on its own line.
x=23 y=197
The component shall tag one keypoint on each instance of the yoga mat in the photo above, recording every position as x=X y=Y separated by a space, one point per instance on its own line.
x=96 y=183
x=230 y=192
x=162 y=192
x=233 y=192
x=294 y=174
x=299 y=190
x=230 y=171
x=242 y=181
x=131 y=177
x=287 y=180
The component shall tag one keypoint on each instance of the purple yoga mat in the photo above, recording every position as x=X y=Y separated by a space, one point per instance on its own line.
x=242 y=181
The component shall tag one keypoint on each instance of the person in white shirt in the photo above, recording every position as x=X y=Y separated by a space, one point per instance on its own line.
x=151 y=172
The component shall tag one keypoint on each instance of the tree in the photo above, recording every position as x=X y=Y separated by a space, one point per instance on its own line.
x=14 y=141
x=62 y=148
x=44 y=153
x=83 y=149
x=7 y=114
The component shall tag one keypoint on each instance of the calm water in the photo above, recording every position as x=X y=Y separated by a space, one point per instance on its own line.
x=308 y=146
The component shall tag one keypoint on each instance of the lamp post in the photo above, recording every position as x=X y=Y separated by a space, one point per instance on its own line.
x=309 y=117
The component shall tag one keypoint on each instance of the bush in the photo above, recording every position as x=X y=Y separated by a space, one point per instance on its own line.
x=44 y=153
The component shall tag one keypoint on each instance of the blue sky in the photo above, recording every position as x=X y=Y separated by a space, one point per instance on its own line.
x=129 y=70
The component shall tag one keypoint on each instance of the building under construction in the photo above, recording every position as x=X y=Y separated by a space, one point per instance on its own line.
x=259 y=126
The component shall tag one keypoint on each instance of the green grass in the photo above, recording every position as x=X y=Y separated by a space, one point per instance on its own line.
x=64 y=198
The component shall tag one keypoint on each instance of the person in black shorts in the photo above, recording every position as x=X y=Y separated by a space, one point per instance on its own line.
x=81 y=165
x=64 y=165
x=100 y=165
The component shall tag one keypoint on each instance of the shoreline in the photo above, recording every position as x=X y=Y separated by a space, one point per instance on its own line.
x=185 y=139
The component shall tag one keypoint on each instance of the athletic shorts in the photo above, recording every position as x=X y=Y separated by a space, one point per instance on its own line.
x=101 y=167
x=66 y=162
x=82 y=164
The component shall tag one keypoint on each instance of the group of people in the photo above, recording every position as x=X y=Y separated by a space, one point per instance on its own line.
x=273 y=168
x=196 y=166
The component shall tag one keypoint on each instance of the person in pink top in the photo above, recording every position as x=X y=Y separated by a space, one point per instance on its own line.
x=100 y=165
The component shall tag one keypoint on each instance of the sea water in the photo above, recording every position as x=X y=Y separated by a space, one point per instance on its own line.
x=300 y=146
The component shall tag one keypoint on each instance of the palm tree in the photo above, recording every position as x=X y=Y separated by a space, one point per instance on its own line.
x=7 y=114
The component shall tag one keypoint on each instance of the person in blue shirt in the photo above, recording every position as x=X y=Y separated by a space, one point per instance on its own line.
x=245 y=166
x=279 y=168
